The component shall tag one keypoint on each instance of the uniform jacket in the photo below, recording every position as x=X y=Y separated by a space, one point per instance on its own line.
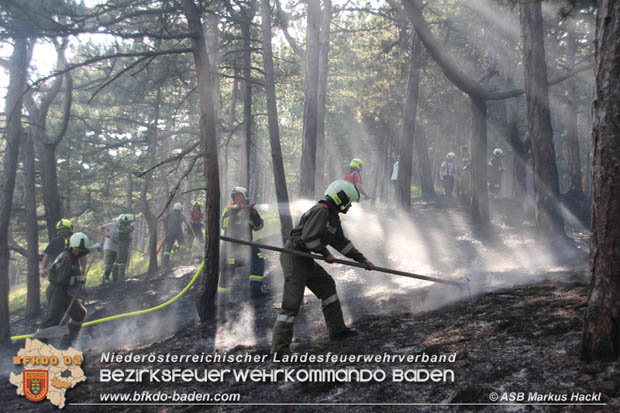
x=494 y=170
x=319 y=227
x=174 y=222
x=240 y=225
x=64 y=267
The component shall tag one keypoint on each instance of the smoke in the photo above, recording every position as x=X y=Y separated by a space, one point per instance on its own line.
x=441 y=244
x=237 y=329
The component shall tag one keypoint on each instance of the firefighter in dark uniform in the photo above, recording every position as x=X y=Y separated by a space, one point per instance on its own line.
x=319 y=227
x=67 y=287
x=238 y=221
x=124 y=246
x=494 y=171
x=174 y=232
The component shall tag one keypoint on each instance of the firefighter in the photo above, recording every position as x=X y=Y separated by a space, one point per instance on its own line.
x=125 y=229
x=238 y=221
x=174 y=232
x=494 y=171
x=64 y=230
x=447 y=173
x=318 y=227
x=354 y=176
x=463 y=176
x=67 y=287
x=195 y=219
x=110 y=232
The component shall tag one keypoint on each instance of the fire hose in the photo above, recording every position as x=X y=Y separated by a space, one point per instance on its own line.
x=133 y=313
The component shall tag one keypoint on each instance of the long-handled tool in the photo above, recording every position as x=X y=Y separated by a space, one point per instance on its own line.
x=160 y=245
x=339 y=261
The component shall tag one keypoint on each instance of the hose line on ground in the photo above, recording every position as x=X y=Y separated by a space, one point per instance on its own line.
x=133 y=313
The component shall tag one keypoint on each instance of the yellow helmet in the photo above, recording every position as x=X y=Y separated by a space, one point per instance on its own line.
x=357 y=163
x=64 y=223
x=343 y=193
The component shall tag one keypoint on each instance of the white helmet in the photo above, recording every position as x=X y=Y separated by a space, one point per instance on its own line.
x=498 y=152
x=450 y=155
x=178 y=206
x=342 y=193
x=79 y=240
x=126 y=218
x=239 y=190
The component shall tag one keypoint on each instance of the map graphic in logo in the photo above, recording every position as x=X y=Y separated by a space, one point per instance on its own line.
x=48 y=372
x=36 y=384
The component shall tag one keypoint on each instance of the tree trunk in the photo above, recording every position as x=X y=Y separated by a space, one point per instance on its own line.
x=572 y=144
x=424 y=164
x=286 y=223
x=519 y=149
x=548 y=220
x=601 y=335
x=47 y=144
x=33 y=301
x=13 y=105
x=308 y=150
x=49 y=187
x=205 y=300
x=246 y=33
x=409 y=121
x=128 y=192
x=479 y=194
x=326 y=18
x=151 y=218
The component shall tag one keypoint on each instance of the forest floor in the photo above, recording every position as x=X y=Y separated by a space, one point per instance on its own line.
x=514 y=333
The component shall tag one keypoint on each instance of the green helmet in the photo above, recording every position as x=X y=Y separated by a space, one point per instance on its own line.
x=178 y=206
x=239 y=190
x=498 y=152
x=80 y=241
x=342 y=193
x=450 y=156
x=357 y=163
x=64 y=223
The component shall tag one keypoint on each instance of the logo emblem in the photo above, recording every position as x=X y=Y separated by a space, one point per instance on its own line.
x=36 y=384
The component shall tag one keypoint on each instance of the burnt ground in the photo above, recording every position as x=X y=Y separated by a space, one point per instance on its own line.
x=514 y=331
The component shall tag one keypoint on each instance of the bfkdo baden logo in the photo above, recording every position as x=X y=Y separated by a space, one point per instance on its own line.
x=48 y=372
x=36 y=384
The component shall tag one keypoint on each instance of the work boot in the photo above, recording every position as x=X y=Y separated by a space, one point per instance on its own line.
x=106 y=280
x=343 y=334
